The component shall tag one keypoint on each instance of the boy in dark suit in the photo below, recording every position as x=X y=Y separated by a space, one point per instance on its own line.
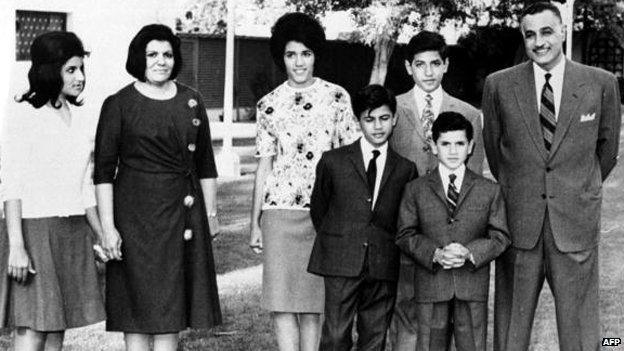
x=452 y=224
x=354 y=208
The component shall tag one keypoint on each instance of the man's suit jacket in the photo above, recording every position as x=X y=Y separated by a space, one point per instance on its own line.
x=408 y=138
x=345 y=224
x=478 y=223
x=567 y=180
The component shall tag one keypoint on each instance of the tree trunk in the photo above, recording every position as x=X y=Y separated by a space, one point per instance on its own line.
x=383 y=50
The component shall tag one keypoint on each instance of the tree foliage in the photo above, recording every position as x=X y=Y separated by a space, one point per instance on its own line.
x=382 y=23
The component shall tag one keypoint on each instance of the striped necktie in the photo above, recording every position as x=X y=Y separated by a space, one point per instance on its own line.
x=452 y=194
x=547 y=113
x=427 y=118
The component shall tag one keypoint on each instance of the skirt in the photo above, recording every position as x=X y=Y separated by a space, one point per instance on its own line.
x=288 y=237
x=64 y=292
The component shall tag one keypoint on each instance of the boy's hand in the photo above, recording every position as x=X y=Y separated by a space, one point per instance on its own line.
x=448 y=259
x=453 y=255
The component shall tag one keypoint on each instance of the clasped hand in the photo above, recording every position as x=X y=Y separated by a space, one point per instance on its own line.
x=453 y=255
x=111 y=244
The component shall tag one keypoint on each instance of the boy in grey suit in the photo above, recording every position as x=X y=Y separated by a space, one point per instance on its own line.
x=426 y=60
x=452 y=223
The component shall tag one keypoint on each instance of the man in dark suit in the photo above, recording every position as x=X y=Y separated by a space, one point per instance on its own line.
x=551 y=130
x=426 y=61
x=354 y=207
x=452 y=223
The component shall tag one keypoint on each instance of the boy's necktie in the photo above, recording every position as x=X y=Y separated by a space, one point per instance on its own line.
x=427 y=119
x=371 y=172
x=452 y=194
x=547 y=113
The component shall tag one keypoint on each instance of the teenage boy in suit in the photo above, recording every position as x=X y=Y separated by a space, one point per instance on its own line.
x=452 y=224
x=552 y=130
x=426 y=61
x=354 y=208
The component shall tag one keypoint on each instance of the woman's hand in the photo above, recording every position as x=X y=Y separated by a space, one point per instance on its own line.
x=19 y=264
x=213 y=225
x=111 y=243
x=255 y=239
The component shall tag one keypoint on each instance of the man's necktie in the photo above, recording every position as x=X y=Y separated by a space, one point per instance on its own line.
x=547 y=113
x=452 y=194
x=427 y=119
x=371 y=172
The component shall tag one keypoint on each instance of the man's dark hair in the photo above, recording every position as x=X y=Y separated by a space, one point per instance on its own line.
x=299 y=27
x=426 y=41
x=450 y=121
x=539 y=7
x=135 y=64
x=371 y=97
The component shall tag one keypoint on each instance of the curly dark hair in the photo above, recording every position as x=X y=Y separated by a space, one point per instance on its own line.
x=48 y=53
x=299 y=27
x=135 y=64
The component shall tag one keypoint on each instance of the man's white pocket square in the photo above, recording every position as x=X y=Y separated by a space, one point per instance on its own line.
x=588 y=117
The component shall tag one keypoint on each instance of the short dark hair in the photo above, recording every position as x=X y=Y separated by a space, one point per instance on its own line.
x=450 y=121
x=426 y=41
x=299 y=27
x=539 y=7
x=371 y=97
x=135 y=64
x=48 y=53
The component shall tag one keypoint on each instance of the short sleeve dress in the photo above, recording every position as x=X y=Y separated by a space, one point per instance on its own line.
x=295 y=126
x=154 y=152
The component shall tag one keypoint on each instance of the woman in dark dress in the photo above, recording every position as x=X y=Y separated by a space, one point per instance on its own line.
x=156 y=188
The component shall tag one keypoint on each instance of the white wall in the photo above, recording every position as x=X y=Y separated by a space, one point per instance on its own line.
x=105 y=28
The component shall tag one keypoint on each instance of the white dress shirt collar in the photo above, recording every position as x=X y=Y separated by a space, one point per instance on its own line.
x=367 y=154
x=556 y=82
x=421 y=102
x=445 y=172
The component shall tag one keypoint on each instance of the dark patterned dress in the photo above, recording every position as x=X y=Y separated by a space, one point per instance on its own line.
x=154 y=152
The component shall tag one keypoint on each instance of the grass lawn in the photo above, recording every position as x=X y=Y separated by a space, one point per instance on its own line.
x=247 y=327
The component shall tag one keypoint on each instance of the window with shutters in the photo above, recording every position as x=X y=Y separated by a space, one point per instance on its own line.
x=29 y=24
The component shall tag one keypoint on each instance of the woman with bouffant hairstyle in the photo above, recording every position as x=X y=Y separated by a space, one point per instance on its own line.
x=49 y=200
x=156 y=187
x=297 y=122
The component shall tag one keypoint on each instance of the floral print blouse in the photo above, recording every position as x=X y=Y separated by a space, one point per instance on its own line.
x=296 y=125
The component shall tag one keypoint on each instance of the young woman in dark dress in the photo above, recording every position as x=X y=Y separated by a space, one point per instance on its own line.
x=156 y=188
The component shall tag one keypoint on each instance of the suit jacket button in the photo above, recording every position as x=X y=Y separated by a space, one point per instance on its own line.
x=369 y=200
x=365 y=244
x=548 y=169
x=543 y=196
x=191 y=147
